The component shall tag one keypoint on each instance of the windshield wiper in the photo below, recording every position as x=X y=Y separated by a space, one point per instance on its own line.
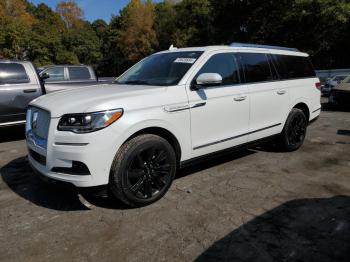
x=134 y=82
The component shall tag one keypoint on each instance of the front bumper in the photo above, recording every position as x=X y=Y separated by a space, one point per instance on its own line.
x=62 y=150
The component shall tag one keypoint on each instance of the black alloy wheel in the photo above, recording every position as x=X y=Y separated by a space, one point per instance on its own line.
x=297 y=131
x=294 y=131
x=149 y=171
x=143 y=170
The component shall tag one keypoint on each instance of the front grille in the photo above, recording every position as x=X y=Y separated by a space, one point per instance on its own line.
x=38 y=157
x=40 y=122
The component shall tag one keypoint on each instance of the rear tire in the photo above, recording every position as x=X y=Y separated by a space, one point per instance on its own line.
x=143 y=170
x=294 y=131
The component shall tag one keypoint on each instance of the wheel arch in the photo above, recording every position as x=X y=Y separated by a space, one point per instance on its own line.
x=164 y=133
x=303 y=107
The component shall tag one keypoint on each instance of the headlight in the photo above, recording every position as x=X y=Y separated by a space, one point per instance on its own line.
x=88 y=122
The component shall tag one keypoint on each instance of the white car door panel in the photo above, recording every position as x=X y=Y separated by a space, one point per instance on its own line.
x=268 y=98
x=219 y=114
x=267 y=109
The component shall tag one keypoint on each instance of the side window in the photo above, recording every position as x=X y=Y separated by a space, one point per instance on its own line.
x=13 y=73
x=225 y=65
x=281 y=65
x=56 y=74
x=291 y=67
x=79 y=73
x=256 y=67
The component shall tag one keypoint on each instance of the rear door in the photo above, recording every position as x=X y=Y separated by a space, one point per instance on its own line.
x=219 y=114
x=19 y=85
x=269 y=98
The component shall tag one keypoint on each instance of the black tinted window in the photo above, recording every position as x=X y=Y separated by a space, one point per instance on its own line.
x=225 y=65
x=12 y=73
x=79 y=73
x=291 y=67
x=256 y=67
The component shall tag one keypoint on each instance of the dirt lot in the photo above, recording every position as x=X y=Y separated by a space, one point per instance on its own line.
x=254 y=205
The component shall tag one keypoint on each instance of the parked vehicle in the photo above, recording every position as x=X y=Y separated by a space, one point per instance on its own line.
x=68 y=76
x=169 y=109
x=340 y=95
x=331 y=83
x=20 y=83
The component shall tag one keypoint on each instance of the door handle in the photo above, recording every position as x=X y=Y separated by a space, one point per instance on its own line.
x=29 y=90
x=240 y=98
x=281 y=92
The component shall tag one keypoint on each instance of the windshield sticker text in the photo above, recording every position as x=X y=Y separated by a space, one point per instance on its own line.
x=185 y=60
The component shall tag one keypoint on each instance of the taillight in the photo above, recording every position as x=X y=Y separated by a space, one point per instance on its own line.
x=318 y=85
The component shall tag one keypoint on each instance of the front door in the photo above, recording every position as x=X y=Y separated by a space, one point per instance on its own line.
x=219 y=114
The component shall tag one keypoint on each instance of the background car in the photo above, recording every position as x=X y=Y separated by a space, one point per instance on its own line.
x=340 y=95
x=68 y=76
x=21 y=82
x=331 y=83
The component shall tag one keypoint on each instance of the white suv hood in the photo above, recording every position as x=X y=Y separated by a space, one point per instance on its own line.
x=96 y=98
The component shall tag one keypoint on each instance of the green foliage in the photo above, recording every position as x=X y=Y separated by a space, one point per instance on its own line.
x=61 y=36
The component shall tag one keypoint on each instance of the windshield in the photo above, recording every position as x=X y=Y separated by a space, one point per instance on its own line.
x=160 y=69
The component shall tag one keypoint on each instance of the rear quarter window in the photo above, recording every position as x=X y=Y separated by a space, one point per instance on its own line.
x=79 y=73
x=293 y=67
x=13 y=73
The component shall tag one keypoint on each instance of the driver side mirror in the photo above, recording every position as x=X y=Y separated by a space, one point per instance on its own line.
x=44 y=76
x=207 y=79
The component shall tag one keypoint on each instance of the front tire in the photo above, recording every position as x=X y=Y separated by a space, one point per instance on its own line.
x=294 y=131
x=143 y=170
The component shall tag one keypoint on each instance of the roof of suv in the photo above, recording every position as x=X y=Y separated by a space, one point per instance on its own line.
x=252 y=48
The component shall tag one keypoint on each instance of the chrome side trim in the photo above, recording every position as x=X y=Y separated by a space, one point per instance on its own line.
x=13 y=123
x=177 y=108
x=198 y=105
x=317 y=110
x=235 y=137
x=70 y=144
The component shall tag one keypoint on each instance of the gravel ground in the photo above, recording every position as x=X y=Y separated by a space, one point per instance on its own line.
x=253 y=205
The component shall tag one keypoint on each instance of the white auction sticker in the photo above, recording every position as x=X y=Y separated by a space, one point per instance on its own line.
x=185 y=60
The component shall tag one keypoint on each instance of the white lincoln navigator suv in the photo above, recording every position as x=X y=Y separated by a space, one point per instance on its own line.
x=170 y=108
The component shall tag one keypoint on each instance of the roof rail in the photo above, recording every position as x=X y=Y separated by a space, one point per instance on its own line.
x=264 y=46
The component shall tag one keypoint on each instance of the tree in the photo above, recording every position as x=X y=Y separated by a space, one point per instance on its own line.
x=15 y=24
x=193 y=23
x=84 y=43
x=71 y=13
x=46 y=41
x=165 y=24
x=136 y=36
